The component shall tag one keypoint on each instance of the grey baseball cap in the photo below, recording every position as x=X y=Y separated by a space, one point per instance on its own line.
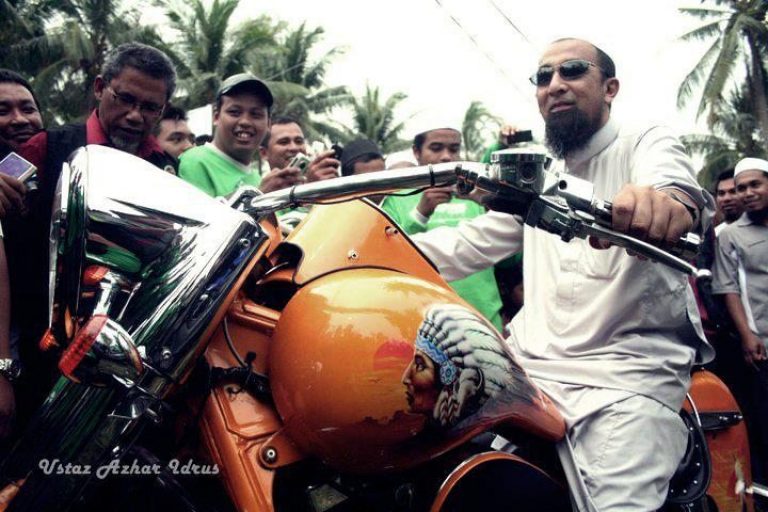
x=246 y=81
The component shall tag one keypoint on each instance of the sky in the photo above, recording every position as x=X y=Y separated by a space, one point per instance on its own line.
x=446 y=53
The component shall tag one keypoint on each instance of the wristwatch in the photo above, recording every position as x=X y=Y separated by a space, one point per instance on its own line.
x=10 y=368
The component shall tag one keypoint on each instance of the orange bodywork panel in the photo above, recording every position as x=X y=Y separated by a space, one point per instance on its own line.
x=728 y=448
x=330 y=242
x=336 y=348
x=235 y=425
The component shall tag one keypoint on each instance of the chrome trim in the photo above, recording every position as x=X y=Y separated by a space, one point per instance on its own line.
x=179 y=249
x=352 y=187
x=113 y=354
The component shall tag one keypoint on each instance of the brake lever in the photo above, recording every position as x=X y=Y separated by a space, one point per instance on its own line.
x=591 y=228
x=555 y=216
x=579 y=194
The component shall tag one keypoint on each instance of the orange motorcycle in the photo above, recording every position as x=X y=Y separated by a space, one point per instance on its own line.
x=340 y=371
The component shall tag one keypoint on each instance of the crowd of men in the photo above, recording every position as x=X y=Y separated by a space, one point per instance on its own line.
x=609 y=337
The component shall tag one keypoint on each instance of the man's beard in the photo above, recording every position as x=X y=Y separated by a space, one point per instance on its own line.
x=569 y=130
x=129 y=146
x=729 y=217
x=758 y=216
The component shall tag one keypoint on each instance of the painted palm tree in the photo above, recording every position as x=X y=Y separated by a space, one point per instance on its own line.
x=739 y=33
x=298 y=81
x=208 y=47
x=374 y=119
x=478 y=128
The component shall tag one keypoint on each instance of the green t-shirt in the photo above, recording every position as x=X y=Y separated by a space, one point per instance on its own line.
x=479 y=289
x=214 y=172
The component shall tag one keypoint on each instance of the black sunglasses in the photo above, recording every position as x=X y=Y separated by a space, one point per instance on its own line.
x=568 y=70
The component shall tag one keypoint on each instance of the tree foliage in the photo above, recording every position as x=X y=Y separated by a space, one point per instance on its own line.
x=477 y=129
x=297 y=79
x=207 y=46
x=731 y=138
x=61 y=45
x=374 y=118
x=738 y=36
x=63 y=48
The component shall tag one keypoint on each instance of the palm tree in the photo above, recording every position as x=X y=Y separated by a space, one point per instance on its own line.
x=24 y=24
x=732 y=137
x=375 y=120
x=478 y=127
x=740 y=34
x=65 y=54
x=299 y=83
x=207 y=47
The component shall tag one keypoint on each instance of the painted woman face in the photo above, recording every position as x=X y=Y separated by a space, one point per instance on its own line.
x=420 y=380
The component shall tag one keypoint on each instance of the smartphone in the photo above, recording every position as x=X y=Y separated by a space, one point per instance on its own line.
x=337 y=151
x=301 y=161
x=16 y=166
x=520 y=136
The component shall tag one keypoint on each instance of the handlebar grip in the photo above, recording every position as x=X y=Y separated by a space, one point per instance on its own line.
x=687 y=246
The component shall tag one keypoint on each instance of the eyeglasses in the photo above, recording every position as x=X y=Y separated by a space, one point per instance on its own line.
x=129 y=102
x=568 y=70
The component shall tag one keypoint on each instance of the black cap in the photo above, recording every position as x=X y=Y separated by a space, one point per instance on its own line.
x=358 y=148
x=246 y=81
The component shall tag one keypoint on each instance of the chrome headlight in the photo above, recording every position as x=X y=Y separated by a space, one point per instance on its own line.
x=66 y=250
x=173 y=252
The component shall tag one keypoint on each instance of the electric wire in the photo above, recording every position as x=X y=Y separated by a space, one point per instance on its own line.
x=472 y=38
x=512 y=23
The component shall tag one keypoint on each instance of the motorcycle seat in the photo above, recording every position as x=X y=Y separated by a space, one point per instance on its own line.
x=691 y=479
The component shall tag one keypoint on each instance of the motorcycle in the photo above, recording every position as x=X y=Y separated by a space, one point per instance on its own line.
x=340 y=372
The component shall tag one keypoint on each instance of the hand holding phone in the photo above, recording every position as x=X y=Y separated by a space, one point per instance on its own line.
x=301 y=162
x=337 y=151
x=17 y=167
x=14 y=169
x=516 y=137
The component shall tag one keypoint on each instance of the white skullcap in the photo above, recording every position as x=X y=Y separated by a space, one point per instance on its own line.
x=430 y=119
x=750 y=164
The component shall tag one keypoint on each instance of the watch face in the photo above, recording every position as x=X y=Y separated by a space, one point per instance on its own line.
x=11 y=368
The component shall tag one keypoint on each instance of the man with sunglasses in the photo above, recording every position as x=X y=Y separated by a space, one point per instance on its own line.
x=135 y=84
x=611 y=338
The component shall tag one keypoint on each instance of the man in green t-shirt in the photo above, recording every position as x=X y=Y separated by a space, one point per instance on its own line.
x=241 y=118
x=439 y=206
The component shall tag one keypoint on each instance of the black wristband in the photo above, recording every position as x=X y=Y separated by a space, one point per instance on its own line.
x=694 y=212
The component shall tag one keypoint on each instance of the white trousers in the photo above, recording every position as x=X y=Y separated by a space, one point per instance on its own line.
x=621 y=457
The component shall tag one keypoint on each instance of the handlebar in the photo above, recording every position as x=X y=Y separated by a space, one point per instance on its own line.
x=354 y=187
x=559 y=203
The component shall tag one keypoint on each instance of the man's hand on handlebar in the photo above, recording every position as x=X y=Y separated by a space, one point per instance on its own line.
x=648 y=214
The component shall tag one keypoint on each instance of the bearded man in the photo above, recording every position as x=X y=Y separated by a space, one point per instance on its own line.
x=610 y=338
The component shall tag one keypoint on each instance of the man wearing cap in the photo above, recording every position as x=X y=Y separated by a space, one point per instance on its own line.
x=741 y=276
x=241 y=117
x=437 y=207
x=361 y=156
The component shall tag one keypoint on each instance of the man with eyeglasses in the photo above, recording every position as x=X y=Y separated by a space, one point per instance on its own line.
x=609 y=337
x=135 y=84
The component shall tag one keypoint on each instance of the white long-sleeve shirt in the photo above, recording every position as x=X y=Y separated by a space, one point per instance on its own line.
x=595 y=318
